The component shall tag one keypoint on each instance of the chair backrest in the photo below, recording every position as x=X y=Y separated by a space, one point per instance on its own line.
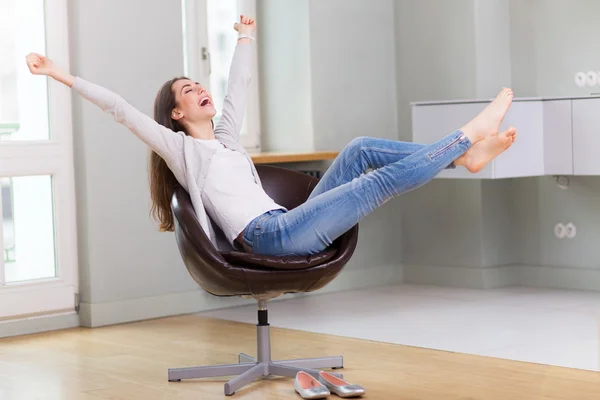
x=218 y=276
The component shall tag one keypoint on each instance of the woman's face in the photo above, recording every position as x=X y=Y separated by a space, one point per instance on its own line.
x=194 y=103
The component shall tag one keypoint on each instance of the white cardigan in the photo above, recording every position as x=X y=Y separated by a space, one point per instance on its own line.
x=187 y=157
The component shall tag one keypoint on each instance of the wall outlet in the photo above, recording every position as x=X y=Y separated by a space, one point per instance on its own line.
x=560 y=231
x=570 y=231
x=590 y=78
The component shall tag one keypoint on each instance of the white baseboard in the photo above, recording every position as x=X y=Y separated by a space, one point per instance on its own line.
x=466 y=277
x=38 y=324
x=101 y=314
x=558 y=277
x=504 y=275
x=93 y=315
x=355 y=278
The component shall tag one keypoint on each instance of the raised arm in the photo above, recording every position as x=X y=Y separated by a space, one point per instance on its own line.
x=234 y=104
x=165 y=142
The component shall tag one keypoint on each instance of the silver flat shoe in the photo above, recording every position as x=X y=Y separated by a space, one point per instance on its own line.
x=308 y=387
x=340 y=386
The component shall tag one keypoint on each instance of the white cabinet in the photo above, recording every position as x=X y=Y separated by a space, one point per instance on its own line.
x=558 y=137
x=543 y=145
x=586 y=136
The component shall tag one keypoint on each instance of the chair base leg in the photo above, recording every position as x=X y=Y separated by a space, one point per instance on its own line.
x=177 y=374
x=258 y=371
x=315 y=363
x=248 y=372
x=290 y=372
x=245 y=358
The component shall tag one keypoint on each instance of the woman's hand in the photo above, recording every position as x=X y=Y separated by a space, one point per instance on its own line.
x=246 y=25
x=39 y=65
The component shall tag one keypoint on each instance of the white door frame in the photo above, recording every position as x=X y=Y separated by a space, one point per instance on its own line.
x=48 y=157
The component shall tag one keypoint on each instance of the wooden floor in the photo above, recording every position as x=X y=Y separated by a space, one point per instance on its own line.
x=129 y=362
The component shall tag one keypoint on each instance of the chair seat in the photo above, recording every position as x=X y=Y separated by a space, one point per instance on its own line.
x=249 y=260
x=235 y=273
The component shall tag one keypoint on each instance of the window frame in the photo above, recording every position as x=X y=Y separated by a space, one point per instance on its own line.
x=54 y=157
x=197 y=63
x=12 y=206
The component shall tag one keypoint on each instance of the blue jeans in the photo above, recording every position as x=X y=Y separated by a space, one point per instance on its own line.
x=347 y=193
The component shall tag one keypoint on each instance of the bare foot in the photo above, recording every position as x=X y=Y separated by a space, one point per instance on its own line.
x=479 y=155
x=487 y=123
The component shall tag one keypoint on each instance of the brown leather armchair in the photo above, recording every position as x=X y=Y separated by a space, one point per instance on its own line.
x=234 y=273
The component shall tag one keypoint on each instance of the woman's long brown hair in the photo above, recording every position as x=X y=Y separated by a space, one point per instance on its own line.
x=162 y=180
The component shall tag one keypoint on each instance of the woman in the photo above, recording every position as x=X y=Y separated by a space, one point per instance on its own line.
x=224 y=186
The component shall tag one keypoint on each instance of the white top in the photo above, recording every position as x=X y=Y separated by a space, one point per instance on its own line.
x=231 y=197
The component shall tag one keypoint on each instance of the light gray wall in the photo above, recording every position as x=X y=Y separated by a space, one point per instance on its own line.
x=497 y=227
x=522 y=48
x=285 y=75
x=435 y=54
x=436 y=59
x=441 y=224
x=525 y=219
x=579 y=205
x=539 y=204
x=552 y=40
x=122 y=255
x=353 y=71
x=492 y=46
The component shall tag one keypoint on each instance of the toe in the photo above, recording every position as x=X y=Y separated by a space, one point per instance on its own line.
x=509 y=132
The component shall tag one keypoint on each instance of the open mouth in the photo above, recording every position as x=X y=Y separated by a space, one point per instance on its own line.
x=204 y=102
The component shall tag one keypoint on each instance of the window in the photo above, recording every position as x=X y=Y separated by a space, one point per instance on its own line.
x=209 y=43
x=38 y=266
x=222 y=42
x=28 y=225
x=21 y=95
